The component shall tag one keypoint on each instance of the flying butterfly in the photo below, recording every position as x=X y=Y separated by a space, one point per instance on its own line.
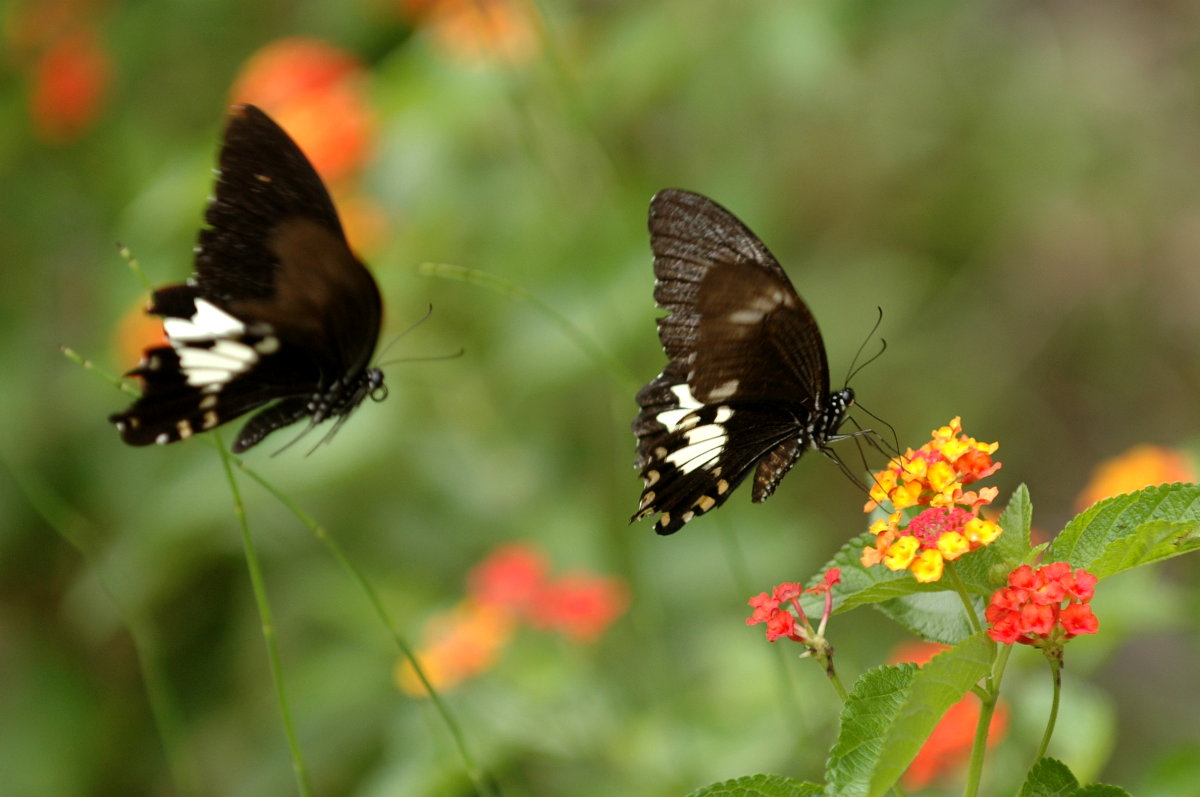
x=280 y=314
x=746 y=385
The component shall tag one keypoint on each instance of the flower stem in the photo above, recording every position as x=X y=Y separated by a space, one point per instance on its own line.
x=961 y=589
x=303 y=783
x=988 y=694
x=483 y=785
x=1056 y=673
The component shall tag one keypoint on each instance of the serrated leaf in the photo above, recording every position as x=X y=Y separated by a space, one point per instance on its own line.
x=984 y=571
x=1126 y=530
x=933 y=616
x=941 y=683
x=874 y=702
x=759 y=786
x=1049 y=777
x=1101 y=790
x=1149 y=542
x=1016 y=520
x=892 y=711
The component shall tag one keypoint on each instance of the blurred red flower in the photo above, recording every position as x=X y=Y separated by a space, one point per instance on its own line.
x=510 y=587
x=70 y=83
x=316 y=92
x=579 y=605
x=510 y=578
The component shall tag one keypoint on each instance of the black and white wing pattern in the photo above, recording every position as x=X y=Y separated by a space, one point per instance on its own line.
x=280 y=314
x=746 y=383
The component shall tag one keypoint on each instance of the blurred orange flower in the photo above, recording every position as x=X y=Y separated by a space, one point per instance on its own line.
x=948 y=747
x=317 y=92
x=506 y=589
x=135 y=333
x=70 y=82
x=478 y=31
x=459 y=644
x=1140 y=466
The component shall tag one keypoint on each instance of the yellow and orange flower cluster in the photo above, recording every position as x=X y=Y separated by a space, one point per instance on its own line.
x=930 y=482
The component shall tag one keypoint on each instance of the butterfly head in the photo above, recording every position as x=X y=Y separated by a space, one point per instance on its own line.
x=376 y=389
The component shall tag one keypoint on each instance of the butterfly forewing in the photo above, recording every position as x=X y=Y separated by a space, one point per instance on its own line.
x=279 y=307
x=747 y=379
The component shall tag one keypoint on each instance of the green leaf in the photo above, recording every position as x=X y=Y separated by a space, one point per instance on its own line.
x=1047 y=778
x=892 y=711
x=984 y=571
x=933 y=616
x=1129 y=530
x=1102 y=790
x=874 y=703
x=1051 y=778
x=760 y=786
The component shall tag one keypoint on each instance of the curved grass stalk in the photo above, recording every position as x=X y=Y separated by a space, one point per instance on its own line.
x=254 y=566
x=483 y=785
x=510 y=289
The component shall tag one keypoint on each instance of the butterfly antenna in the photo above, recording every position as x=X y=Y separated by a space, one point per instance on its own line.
x=854 y=369
x=428 y=358
x=406 y=330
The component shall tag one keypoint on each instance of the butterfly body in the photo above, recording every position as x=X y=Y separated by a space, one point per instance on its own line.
x=280 y=315
x=746 y=386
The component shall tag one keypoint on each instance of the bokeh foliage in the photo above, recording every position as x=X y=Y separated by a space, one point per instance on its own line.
x=1014 y=183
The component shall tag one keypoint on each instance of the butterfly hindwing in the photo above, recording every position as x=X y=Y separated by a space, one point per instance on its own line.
x=747 y=380
x=279 y=310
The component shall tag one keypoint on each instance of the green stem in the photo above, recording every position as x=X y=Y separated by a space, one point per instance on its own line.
x=988 y=695
x=961 y=588
x=831 y=673
x=482 y=784
x=300 y=769
x=1055 y=659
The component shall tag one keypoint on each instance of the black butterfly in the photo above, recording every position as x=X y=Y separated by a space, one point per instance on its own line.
x=279 y=312
x=747 y=380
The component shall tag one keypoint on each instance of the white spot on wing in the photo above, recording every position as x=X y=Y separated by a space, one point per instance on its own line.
x=705 y=444
x=724 y=391
x=687 y=402
x=209 y=322
x=219 y=364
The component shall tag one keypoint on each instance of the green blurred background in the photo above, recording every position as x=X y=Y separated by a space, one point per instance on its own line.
x=1014 y=183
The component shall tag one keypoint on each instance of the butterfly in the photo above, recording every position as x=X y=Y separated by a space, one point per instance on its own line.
x=280 y=314
x=746 y=385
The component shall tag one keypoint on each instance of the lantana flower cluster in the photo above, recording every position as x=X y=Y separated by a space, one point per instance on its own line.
x=934 y=520
x=776 y=611
x=1043 y=607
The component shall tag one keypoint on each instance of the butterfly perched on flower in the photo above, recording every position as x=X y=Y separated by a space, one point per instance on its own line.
x=280 y=316
x=746 y=385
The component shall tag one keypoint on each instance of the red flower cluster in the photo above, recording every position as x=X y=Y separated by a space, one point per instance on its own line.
x=1030 y=609
x=773 y=609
